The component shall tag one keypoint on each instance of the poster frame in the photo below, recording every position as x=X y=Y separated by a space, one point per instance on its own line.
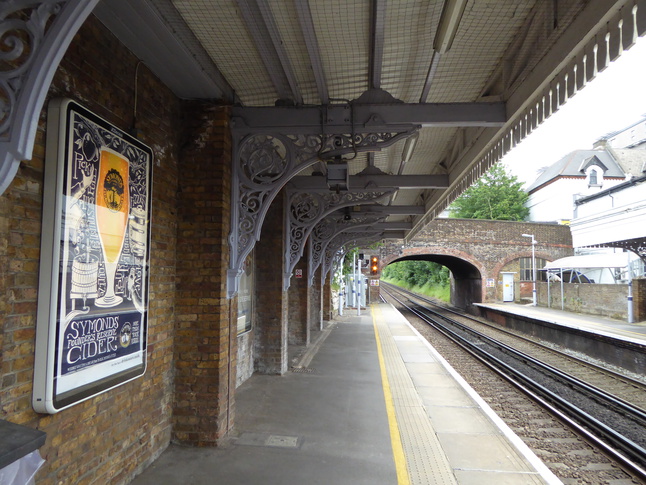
x=92 y=318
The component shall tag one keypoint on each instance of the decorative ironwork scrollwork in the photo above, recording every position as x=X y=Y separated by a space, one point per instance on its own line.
x=34 y=36
x=305 y=210
x=22 y=30
x=264 y=163
x=325 y=231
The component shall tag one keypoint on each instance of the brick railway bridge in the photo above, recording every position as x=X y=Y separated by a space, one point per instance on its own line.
x=478 y=251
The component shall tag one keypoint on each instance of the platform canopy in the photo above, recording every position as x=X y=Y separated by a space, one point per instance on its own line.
x=397 y=104
x=400 y=104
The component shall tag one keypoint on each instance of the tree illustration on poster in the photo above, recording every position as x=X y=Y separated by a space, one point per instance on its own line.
x=93 y=303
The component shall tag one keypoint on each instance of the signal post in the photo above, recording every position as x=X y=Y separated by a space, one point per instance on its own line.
x=373 y=280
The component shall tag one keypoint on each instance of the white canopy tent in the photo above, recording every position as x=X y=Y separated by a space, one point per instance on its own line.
x=612 y=260
x=593 y=268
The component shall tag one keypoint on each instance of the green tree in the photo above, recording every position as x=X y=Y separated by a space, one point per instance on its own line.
x=497 y=195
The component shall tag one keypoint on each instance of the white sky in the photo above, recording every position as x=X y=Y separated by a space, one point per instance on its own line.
x=615 y=99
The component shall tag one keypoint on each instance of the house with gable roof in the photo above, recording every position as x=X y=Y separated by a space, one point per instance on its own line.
x=580 y=173
x=616 y=216
x=601 y=193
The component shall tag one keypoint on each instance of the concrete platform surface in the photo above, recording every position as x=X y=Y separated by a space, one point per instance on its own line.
x=373 y=404
x=635 y=332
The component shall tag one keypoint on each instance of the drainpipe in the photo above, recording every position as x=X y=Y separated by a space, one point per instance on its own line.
x=359 y=285
x=631 y=316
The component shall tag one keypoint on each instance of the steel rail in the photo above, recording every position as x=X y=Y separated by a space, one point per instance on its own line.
x=618 y=447
x=627 y=379
x=624 y=406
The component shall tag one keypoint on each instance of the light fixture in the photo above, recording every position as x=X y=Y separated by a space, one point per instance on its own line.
x=446 y=29
x=449 y=21
x=409 y=148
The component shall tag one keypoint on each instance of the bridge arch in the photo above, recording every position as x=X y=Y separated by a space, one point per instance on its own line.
x=467 y=274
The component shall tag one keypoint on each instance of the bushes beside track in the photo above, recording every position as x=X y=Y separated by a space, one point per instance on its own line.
x=424 y=277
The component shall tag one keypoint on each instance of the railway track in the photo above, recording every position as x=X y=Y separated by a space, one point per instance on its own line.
x=604 y=407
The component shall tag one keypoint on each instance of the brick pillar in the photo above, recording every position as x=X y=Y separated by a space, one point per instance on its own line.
x=315 y=309
x=373 y=288
x=270 y=356
x=298 y=299
x=639 y=299
x=205 y=342
x=328 y=313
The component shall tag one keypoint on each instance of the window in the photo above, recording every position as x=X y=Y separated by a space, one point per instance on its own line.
x=526 y=269
x=593 y=177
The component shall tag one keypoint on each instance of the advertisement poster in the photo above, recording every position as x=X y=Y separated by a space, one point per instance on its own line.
x=93 y=299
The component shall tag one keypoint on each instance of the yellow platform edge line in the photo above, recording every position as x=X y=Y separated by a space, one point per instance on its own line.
x=399 y=457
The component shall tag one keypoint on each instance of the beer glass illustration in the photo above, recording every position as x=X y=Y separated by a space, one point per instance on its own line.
x=111 y=217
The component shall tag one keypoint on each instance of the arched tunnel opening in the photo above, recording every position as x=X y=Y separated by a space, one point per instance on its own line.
x=466 y=279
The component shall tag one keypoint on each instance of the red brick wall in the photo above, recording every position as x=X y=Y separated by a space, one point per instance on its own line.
x=327 y=298
x=205 y=344
x=315 y=300
x=271 y=332
x=639 y=300
x=488 y=247
x=298 y=306
x=105 y=439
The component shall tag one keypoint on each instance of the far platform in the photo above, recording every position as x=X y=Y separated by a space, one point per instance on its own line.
x=635 y=332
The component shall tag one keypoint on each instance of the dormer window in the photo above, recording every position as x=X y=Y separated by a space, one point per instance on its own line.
x=594 y=170
x=593 y=177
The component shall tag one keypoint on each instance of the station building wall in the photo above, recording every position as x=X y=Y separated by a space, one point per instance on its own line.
x=186 y=394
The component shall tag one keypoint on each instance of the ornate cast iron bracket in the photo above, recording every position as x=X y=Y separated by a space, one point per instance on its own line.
x=35 y=36
x=305 y=210
x=264 y=163
x=325 y=231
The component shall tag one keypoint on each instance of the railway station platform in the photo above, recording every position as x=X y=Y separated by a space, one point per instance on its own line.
x=370 y=402
x=635 y=332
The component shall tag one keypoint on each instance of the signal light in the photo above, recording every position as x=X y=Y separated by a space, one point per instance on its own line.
x=374 y=265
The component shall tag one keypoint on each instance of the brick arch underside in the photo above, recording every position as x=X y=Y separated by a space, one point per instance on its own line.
x=466 y=281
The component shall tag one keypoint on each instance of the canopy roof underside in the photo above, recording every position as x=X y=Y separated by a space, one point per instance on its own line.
x=527 y=56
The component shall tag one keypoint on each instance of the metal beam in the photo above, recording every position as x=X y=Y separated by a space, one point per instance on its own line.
x=158 y=35
x=364 y=117
x=377 y=29
x=394 y=235
x=373 y=182
x=430 y=75
x=392 y=210
x=264 y=32
x=388 y=226
x=311 y=42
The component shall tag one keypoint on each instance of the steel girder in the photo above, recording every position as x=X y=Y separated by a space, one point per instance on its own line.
x=272 y=145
